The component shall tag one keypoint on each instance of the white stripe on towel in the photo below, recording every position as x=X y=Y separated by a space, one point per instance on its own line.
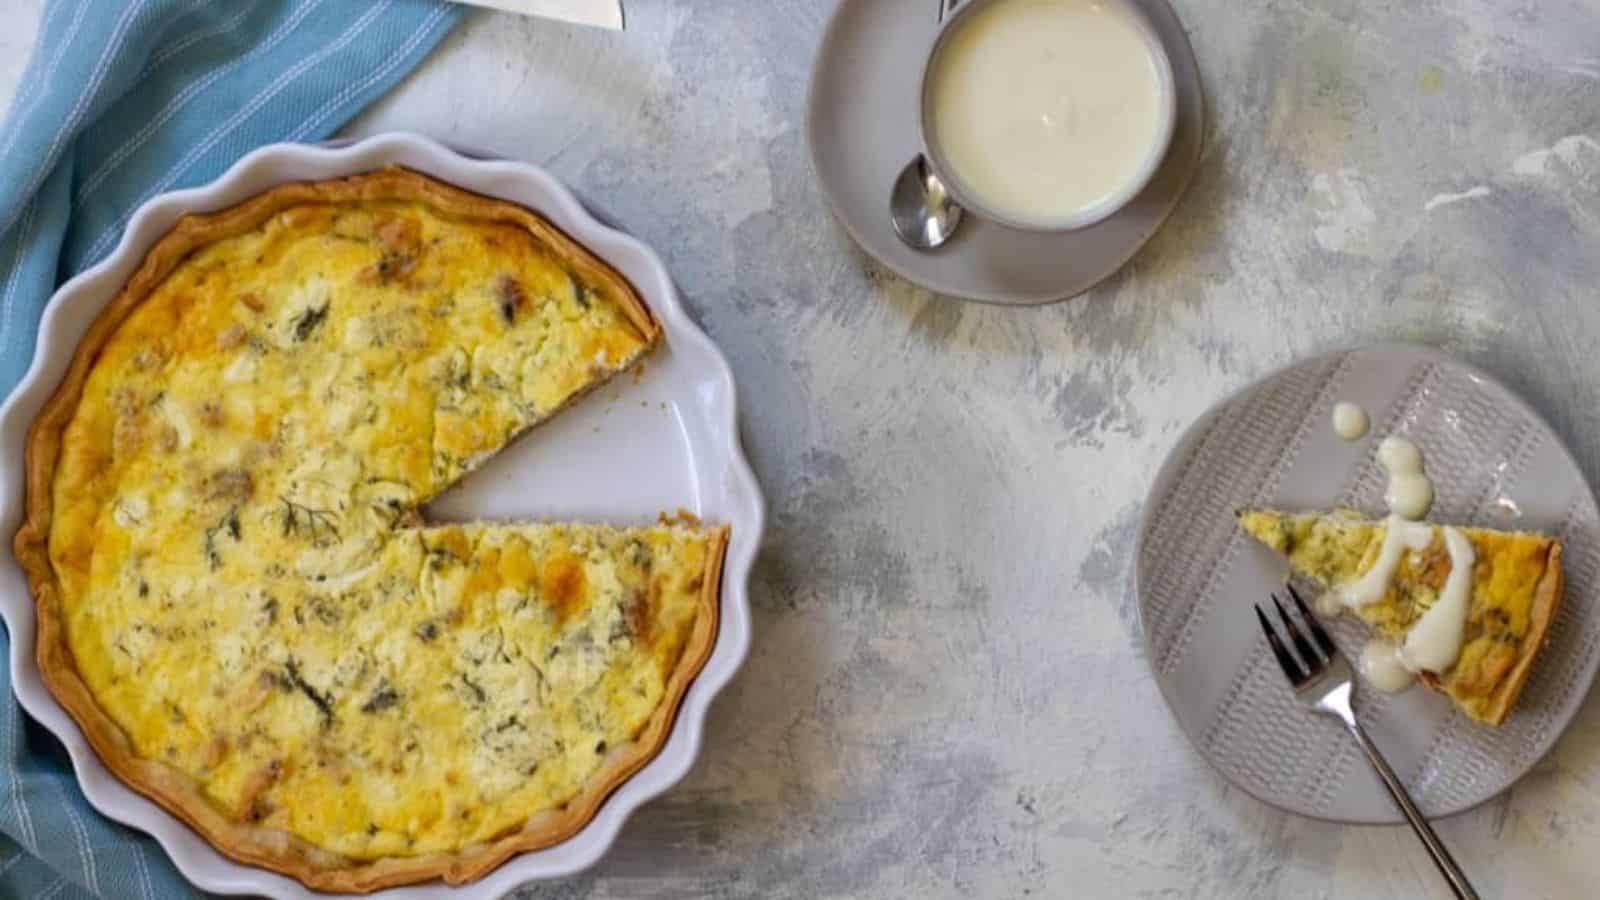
x=182 y=98
x=91 y=873
x=80 y=107
x=8 y=311
x=43 y=82
x=109 y=235
x=395 y=59
x=190 y=39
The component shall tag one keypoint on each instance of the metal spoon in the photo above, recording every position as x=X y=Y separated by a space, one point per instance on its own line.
x=921 y=209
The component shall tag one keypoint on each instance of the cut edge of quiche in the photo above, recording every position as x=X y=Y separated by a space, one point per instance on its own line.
x=273 y=848
x=1516 y=590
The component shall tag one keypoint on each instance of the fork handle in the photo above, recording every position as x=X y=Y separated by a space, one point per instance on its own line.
x=1436 y=849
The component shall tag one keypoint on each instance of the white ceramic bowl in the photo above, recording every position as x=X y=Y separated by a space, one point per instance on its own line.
x=624 y=454
x=1166 y=100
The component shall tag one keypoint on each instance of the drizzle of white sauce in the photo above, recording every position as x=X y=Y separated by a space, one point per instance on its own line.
x=1508 y=507
x=1434 y=641
x=1399 y=535
x=1410 y=496
x=1381 y=666
x=1396 y=454
x=1349 y=421
x=1409 y=493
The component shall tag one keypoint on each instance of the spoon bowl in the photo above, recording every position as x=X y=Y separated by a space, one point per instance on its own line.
x=922 y=210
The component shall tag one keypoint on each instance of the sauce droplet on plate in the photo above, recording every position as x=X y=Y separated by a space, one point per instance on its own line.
x=1380 y=665
x=1350 y=421
x=1409 y=493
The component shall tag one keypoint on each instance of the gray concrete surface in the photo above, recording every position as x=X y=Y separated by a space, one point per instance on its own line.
x=947 y=695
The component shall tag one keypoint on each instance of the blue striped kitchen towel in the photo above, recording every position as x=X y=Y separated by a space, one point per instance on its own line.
x=121 y=100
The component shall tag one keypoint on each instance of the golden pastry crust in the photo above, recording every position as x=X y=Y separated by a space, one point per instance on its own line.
x=1546 y=598
x=1516 y=589
x=53 y=473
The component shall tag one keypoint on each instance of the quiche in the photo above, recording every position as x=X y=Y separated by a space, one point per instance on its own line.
x=1515 y=589
x=239 y=600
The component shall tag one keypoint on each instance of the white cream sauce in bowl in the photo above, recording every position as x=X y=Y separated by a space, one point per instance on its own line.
x=1047 y=114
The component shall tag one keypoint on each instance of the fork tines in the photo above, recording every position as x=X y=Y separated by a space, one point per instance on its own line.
x=1329 y=648
x=1310 y=662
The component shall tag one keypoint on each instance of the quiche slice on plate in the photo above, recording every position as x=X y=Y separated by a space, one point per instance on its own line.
x=1515 y=589
x=238 y=599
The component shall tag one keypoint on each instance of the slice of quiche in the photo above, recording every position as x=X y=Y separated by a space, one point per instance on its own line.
x=1515 y=589
x=238 y=600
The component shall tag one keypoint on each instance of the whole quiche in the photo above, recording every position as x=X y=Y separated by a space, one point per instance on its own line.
x=238 y=599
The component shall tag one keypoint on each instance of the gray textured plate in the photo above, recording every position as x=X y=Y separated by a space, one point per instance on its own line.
x=1196 y=575
x=861 y=126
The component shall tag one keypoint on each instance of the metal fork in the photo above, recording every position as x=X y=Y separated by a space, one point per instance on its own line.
x=1323 y=681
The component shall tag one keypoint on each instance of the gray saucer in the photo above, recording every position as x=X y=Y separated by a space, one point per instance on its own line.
x=861 y=125
x=1494 y=462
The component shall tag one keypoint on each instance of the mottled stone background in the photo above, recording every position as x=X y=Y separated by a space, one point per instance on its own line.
x=947 y=695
